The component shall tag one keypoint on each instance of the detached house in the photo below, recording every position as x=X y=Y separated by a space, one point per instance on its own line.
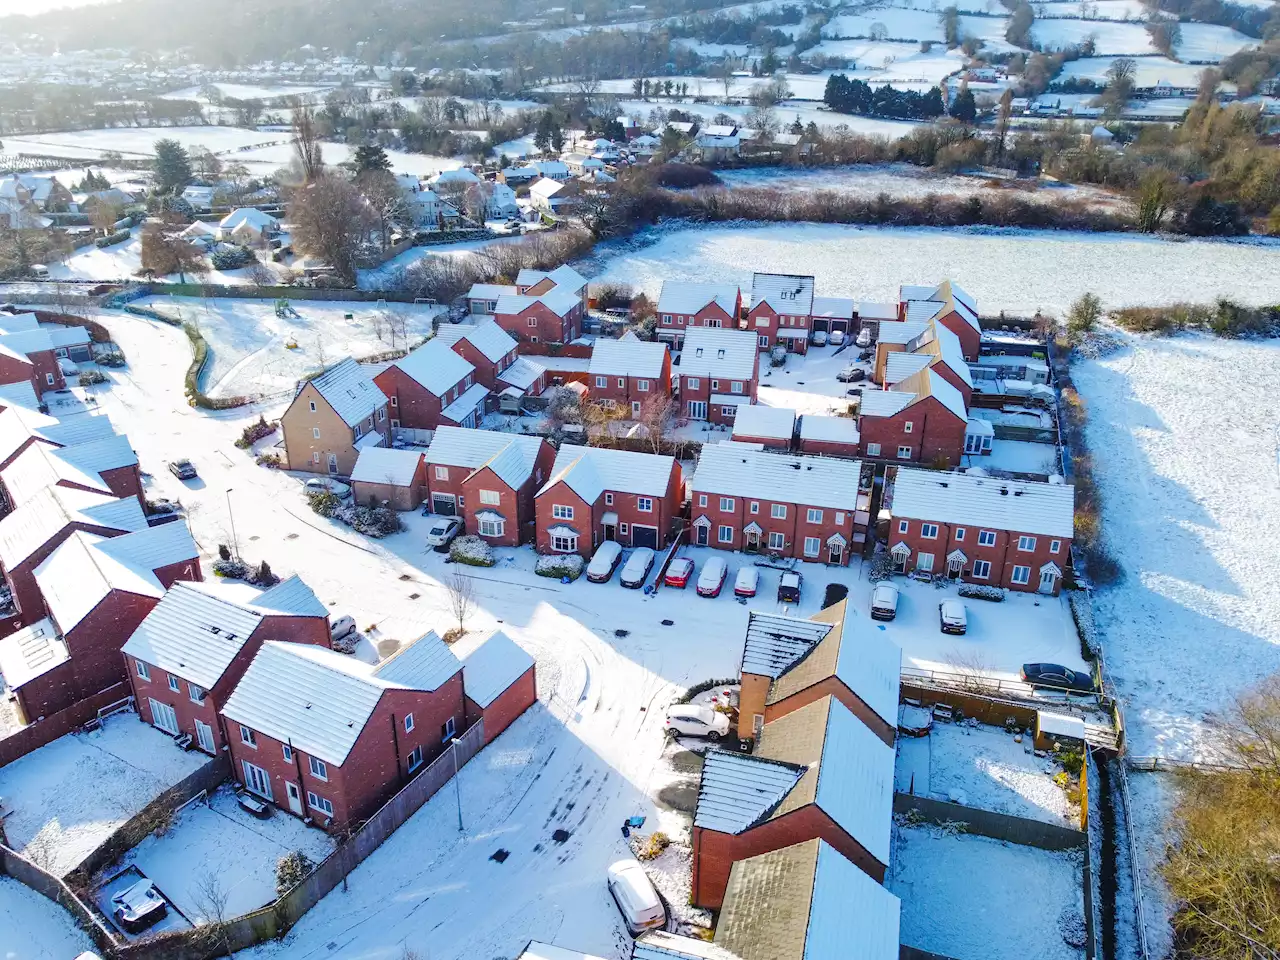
x=489 y=479
x=781 y=310
x=597 y=494
x=817 y=773
x=485 y=345
x=331 y=738
x=629 y=373
x=719 y=371
x=189 y=653
x=332 y=418
x=30 y=352
x=499 y=679
x=552 y=317
x=1006 y=533
x=950 y=306
x=433 y=385
x=921 y=419
x=810 y=508
x=682 y=304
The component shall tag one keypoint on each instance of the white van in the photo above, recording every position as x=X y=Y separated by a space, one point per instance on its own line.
x=636 y=899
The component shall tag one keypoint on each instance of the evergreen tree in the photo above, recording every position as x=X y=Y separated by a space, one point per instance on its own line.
x=964 y=108
x=173 y=166
x=370 y=158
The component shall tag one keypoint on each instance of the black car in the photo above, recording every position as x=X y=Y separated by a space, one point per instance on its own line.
x=1057 y=676
x=183 y=469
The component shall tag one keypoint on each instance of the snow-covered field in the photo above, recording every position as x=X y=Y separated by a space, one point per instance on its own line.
x=136 y=142
x=1148 y=71
x=69 y=796
x=33 y=928
x=1210 y=42
x=1110 y=39
x=248 y=343
x=972 y=898
x=786 y=112
x=244 y=91
x=1038 y=270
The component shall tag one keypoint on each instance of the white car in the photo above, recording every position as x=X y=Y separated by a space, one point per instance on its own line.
x=951 y=617
x=604 y=562
x=884 y=602
x=323 y=485
x=636 y=899
x=636 y=570
x=836 y=338
x=819 y=338
x=696 y=720
x=864 y=338
x=442 y=531
x=746 y=582
x=343 y=626
x=712 y=577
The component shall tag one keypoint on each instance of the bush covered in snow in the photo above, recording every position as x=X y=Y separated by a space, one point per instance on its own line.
x=347 y=644
x=376 y=522
x=111 y=358
x=559 y=566
x=980 y=591
x=291 y=870
x=473 y=551
x=111 y=239
x=271 y=461
x=230 y=569
x=232 y=258
x=262 y=576
x=92 y=377
x=255 y=432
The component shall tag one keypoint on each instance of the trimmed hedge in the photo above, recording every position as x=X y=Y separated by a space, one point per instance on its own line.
x=979 y=591
x=472 y=551
x=120 y=236
x=559 y=566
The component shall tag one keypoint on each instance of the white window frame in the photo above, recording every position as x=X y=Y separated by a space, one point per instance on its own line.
x=958 y=533
x=981 y=570
x=196 y=692
x=602 y=383
x=442 y=473
x=873 y=449
x=317 y=802
x=908 y=427
x=313 y=406
x=702 y=499
x=415 y=758
x=904 y=452
x=727 y=504
x=929 y=531
x=812 y=546
x=491 y=498
x=735 y=386
x=1021 y=576
x=319 y=769
x=840 y=518
x=904 y=526
x=315 y=433
x=755 y=507
x=778 y=511
x=644 y=504
x=448 y=730
x=666 y=319
x=174 y=684
x=777 y=540
x=492 y=528
x=248 y=737
x=724 y=534
x=563 y=544
x=764 y=340
x=693 y=383
x=143 y=671
x=814 y=515
x=642 y=386
x=986 y=538
x=1026 y=544
x=622 y=383
x=408 y=723
x=1055 y=546
x=608 y=498
x=561 y=511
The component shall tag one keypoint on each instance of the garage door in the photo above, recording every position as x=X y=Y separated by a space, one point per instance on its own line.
x=644 y=536
x=442 y=503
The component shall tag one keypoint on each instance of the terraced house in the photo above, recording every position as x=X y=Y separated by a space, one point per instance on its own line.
x=628 y=373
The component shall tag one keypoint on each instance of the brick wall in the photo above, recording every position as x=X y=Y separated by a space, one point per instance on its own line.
x=934 y=433
x=412 y=405
x=1003 y=554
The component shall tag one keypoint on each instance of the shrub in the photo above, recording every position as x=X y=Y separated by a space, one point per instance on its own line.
x=472 y=551
x=704 y=686
x=653 y=845
x=348 y=643
x=232 y=258
x=112 y=239
x=376 y=522
x=291 y=870
x=263 y=577
x=324 y=502
x=559 y=566
x=230 y=569
x=111 y=358
x=255 y=432
x=1072 y=761
x=685 y=175
x=980 y=591
x=271 y=461
x=92 y=377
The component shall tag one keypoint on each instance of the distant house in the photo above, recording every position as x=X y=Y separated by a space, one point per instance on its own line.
x=330 y=738
x=29 y=351
x=781 y=310
x=518 y=176
x=719 y=371
x=248 y=225
x=501 y=203
x=191 y=650
x=332 y=418
x=551 y=169
x=921 y=419
x=42 y=193
x=629 y=373
x=499 y=679
x=489 y=479
x=1009 y=533
x=460 y=178
x=683 y=304
x=768 y=426
x=431 y=386
x=482 y=298
x=809 y=508
x=201 y=198
x=549 y=307
x=385 y=474
x=554 y=196
x=710 y=148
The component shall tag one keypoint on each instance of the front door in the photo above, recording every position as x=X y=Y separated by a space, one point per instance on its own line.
x=1048 y=580
x=257 y=780
x=610 y=532
x=697 y=409
x=295 y=797
x=835 y=555
x=204 y=737
x=635 y=408
x=752 y=543
x=333 y=464
x=702 y=533
x=164 y=717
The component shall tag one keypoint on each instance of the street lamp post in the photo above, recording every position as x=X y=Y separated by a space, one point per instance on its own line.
x=457 y=787
x=235 y=541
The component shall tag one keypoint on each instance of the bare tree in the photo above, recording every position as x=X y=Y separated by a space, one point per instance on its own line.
x=656 y=416
x=462 y=600
x=166 y=251
x=330 y=219
x=386 y=200
x=306 y=143
x=973 y=669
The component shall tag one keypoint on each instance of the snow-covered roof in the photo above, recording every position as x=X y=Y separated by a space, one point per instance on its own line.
x=546 y=188
x=834 y=308
x=590 y=471
x=510 y=455
x=1060 y=724
x=756 y=420
x=30 y=653
x=290 y=597
x=21 y=394
x=51 y=510
x=61 y=336
x=491 y=666
x=829 y=429
x=710 y=141
x=559 y=300
x=248 y=216
x=731 y=470
x=738 y=791
x=774 y=642
x=486 y=336
x=461 y=408
x=884 y=403
x=908 y=292
x=718 y=352
x=1018 y=506
x=660 y=945
x=488 y=291
x=546 y=951
x=522 y=373
x=23 y=343
x=387 y=465
x=41 y=466
x=683 y=297
x=785 y=293
x=629 y=357
x=550 y=168
x=900 y=365
x=979 y=427
x=435 y=366
x=562 y=276
x=348 y=388
x=953 y=297
x=900 y=332
x=319 y=701
x=460 y=175
x=870 y=310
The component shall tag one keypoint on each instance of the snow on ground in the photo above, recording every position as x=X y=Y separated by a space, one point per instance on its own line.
x=1098 y=9
x=1151 y=797
x=69 y=796
x=136 y=142
x=973 y=898
x=263 y=161
x=385 y=276
x=1148 y=71
x=36 y=928
x=1210 y=42
x=869 y=263
x=223 y=840
x=248 y=343
x=888 y=61
x=982 y=766
x=786 y=112
x=1110 y=38
x=244 y=91
x=1017 y=456
x=122 y=261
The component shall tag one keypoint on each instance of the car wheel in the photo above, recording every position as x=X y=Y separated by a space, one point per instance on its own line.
x=713 y=736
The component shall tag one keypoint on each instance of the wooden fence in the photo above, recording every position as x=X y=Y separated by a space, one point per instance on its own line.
x=36 y=735
x=51 y=887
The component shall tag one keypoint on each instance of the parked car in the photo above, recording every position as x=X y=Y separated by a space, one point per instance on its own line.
x=864 y=337
x=789 y=588
x=636 y=899
x=183 y=469
x=865 y=355
x=819 y=338
x=679 y=572
x=442 y=531
x=884 y=602
x=836 y=338
x=712 y=579
x=696 y=720
x=325 y=485
x=747 y=582
x=636 y=570
x=602 y=565
x=952 y=617
x=834 y=593
x=344 y=625
x=853 y=392
x=1056 y=675
x=778 y=356
x=139 y=906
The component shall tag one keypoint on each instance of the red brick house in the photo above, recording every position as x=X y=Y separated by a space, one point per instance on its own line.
x=534 y=283
x=489 y=479
x=499 y=679
x=484 y=345
x=950 y=306
x=934 y=348
x=772 y=427
x=32 y=532
x=788 y=663
x=330 y=738
x=828 y=436
x=597 y=494
x=817 y=773
x=526 y=377
x=921 y=419
x=96 y=590
x=1006 y=533
x=552 y=317
x=106 y=466
x=421 y=387
x=683 y=304
x=834 y=315
x=189 y=653
x=719 y=371
x=29 y=353
x=810 y=508
x=781 y=311
x=20 y=428
x=482 y=298
x=629 y=373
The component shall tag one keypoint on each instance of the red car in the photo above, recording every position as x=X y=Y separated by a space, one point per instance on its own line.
x=678 y=573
